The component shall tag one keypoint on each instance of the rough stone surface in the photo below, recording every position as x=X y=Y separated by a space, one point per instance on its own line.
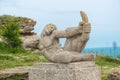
x=30 y=43
x=72 y=71
x=26 y=24
x=114 y=74
x=76 y=39
x=11 y=72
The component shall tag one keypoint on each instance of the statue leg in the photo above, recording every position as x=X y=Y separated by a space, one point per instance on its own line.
x=78 y=42
x=71 y=57
x=82 y=42
x=83 y=57
x=58 y=56
x=84 y=37
x=61 y=56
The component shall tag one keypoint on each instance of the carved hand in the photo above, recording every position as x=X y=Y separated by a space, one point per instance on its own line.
x=87 y=27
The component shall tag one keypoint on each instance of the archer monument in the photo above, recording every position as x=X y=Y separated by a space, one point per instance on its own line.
x=76 y=39
x=66 y=63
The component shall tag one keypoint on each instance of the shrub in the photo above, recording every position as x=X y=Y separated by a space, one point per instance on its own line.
x=10 y=33
x=4 y=48
x=2 y=45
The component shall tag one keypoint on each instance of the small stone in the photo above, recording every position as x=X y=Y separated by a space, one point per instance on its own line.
x=6 y=73
x=114 y=74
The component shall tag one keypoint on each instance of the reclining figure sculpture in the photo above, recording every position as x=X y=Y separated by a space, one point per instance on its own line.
x=76 y=39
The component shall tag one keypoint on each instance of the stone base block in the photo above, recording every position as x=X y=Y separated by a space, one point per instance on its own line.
x=74 y=71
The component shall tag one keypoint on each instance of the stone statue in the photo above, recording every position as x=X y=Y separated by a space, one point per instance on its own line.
x=77 y=38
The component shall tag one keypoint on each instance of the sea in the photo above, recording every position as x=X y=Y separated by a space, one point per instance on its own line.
x=108 y=51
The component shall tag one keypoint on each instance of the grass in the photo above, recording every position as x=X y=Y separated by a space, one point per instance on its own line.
x=106 y=63
x=18 y=77
x=12 y=57
x=9 y=60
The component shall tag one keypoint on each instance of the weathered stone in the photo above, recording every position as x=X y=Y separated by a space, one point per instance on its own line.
x=73 y=71
x=114 y=74
x=30 y=43
x=76 y=39
x=11 y=72
x=26 y=24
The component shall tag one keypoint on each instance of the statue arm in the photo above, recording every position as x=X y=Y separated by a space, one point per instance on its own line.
x=69 y=32
x=59 y=34
x=84 y=27
x=73 y=31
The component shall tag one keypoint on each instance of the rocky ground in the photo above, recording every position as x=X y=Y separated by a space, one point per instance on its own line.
x=114 y=74
x=13 y=72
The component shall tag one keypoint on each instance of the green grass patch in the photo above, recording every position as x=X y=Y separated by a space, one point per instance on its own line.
x=5 y=49
x=106 y=63
x=18 y=77
x=5 y=57
x=9 y=60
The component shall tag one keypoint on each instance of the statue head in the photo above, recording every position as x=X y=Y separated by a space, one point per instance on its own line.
x=49 y=28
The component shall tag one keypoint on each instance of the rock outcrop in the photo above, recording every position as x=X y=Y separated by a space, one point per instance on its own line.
x=26 y=24
x=29 y=38
x=30 y=43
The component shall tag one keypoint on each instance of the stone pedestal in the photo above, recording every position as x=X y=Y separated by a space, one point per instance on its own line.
x=86 y=70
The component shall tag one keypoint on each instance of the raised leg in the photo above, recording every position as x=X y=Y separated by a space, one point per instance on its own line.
x=78 y=42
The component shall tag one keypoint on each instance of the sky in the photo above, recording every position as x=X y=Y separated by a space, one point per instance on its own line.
x=104 y=16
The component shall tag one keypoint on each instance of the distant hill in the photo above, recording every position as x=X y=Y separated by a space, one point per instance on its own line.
x=110 y=51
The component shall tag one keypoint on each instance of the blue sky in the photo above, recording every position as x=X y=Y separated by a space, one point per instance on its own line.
x=104 y=16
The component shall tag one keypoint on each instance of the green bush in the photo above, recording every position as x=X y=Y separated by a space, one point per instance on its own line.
x=16 y=50
x=2 y=45
x=4 y=48
x=10 y=33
